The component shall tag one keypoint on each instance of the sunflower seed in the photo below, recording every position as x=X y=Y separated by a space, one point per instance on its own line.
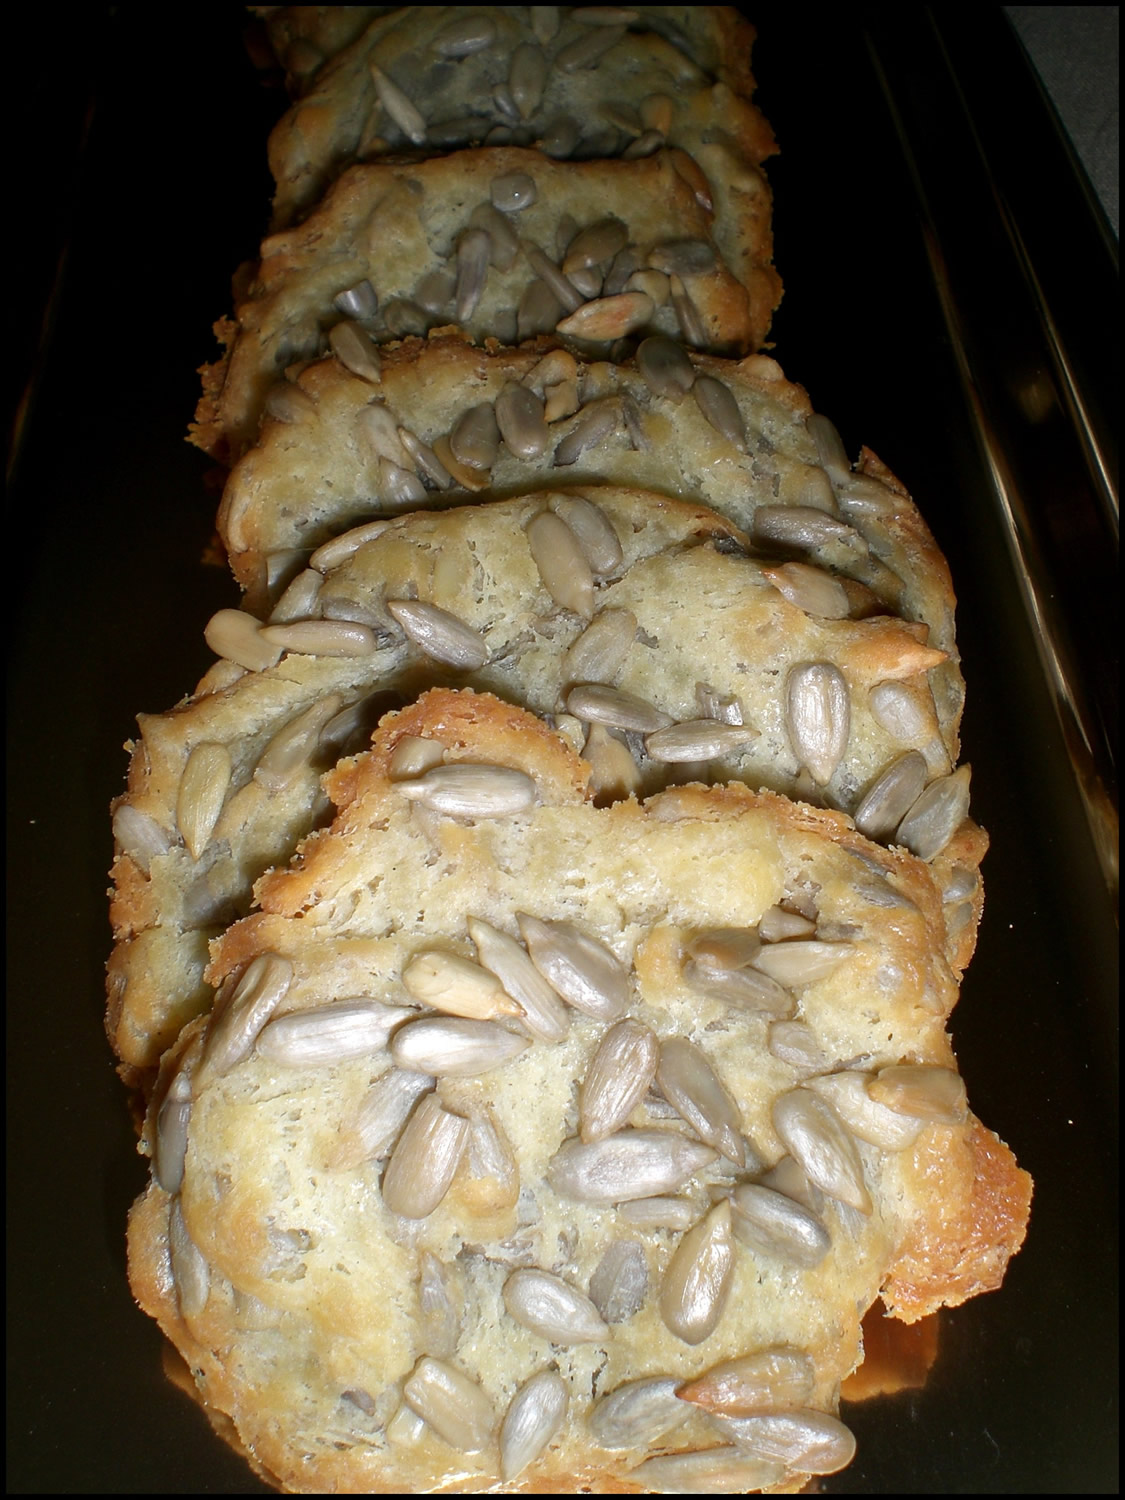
x=359 y=301
x=539 y=311
x=298 y=602
x=690 y=1085
x=202 y=792
x=617 y=1079
x=818 y=717
x=527 y=75
x=707 y=1471
x=698 y=1280
x=654 y=284
x=599 y=653
x=474 y=252
x=322 y=637
x=773 y=1225
x=795 y=1043
x=811 y=589
x=468 y=790
x=400 y=487
x=607 y=318
x=560 y=137
x=921 y=1091
x=770 y=1379
x=237 y=636
x=519 y=417
x=600 y=704
x=937 y=815
x=371 y=1130
x=778 y=924
x=544 y=22
x=139 y=836
x=502 y=99
x=562 y=564
x=352 y=346
x=294 y=745
x=340 y=548
x=698 y=739
x=190 y=1272
x=683 y=258
x=873 y=1122
x=630 y=1164
x=435 y=291
x=544 y=1014
x=646 y=144
x=597 y=244
x=724 y=947
x=806 y=1442
x=594 y=530
x=329 y=1033
x=404 y=318
x=425 y=459
x=619 y=1284
x=552 y=1308
x=799 y=526
x=587 y=49
x=452 y=134
x=659 y=1213
x=624 y=263
x=830 y=449
x=586 y=973
x=454 y=1048
x=536 y=1413
x=464 y=35
x=890 y=797
x=638 y=1414
x=457 y=986
x=564 y=291
x=172 y=1120
x=424 y=1160
x=800 y=961
x=819 y=1142
x=665 y=368
x=492 y=1175
x=513 y=191
x=785 y=1176
x=614 y=774
x=440 y=1326
x=692 y=328
x=404 y=114
x=413 y=756
x=746 y=988
x=242 y=1010
x=439 y=634
x=452 y=1404
x=598 y=421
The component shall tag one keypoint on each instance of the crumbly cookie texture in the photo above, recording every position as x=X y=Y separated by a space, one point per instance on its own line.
x=403 y=247
x=650 y=635
x=431 y=79
x=412 y=1233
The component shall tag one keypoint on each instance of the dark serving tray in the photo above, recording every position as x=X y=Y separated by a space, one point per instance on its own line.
x=950 y=301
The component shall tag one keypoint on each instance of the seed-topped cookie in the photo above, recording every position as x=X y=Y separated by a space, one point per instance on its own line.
x=537 y=1144
x=575 y=84
x=594 y=251
x=642 y=626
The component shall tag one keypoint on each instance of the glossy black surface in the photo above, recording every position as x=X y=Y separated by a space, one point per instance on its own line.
x=110 y=513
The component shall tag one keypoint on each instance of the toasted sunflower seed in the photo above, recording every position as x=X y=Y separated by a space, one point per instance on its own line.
x=698 y=1280
x=287 y=402
x=552 y=1308
x=455 y=1047
x=322 y=637
x=468 y=790
x=565 y=291
x=242 y=1011
x=527 y=74
x=191 y=1273
x=587 y=49
x=139 y=836
x=537 y=1411
x=597 y=244
x=538 y=312
x=452 y=1404
x=692 y=328
x=721 y=409
x=820 y=1143
x=352 y=346
x=665 y=368
x=830 y=449
x=922 y=1091
x=614 y=774
x=937 y=815
x=811 y=589
x=698 y=739
x=340 y=548
x=513 y=191
x=617 y=1079
x=638 y=1414
x=519 y=417
x=818 y=717
x=294 y=744
x=683 y=258
x=457 y=986
x=747 y=988
x=425 y=1159
x=806 y=1442
x=329 y=1033
x=772 y=1224
x=890 y=797
x=594 y=530
x=298 y=602
x=690 y=1085
x=464 y=35
x=474 y=254
x=544 y=22
x=897 y=710
x=864 y=1116
x=372 y=1129
x=412 y=756
x=800 y=962
x=202 y=792
x=599 y=704
x=599 y=653
x=796 y=1043
x=440 y=1325
x=359 y=301
x=630 y=1164
x=434 y=292
x=778 y=924
x=707 y=1471
x=660 y=1213
x=172 y=1122
x=596 y=422
x=770 y=1379
x=492 y=1172
x=405 y=115
x=562 y=564
x=803 y=527
x=619 y=1284
x=237 y=636
x=425 y=459
x=543 y=1013
x=605 y=318
x=439 y=634
x=724 y=947
x=587 y=974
